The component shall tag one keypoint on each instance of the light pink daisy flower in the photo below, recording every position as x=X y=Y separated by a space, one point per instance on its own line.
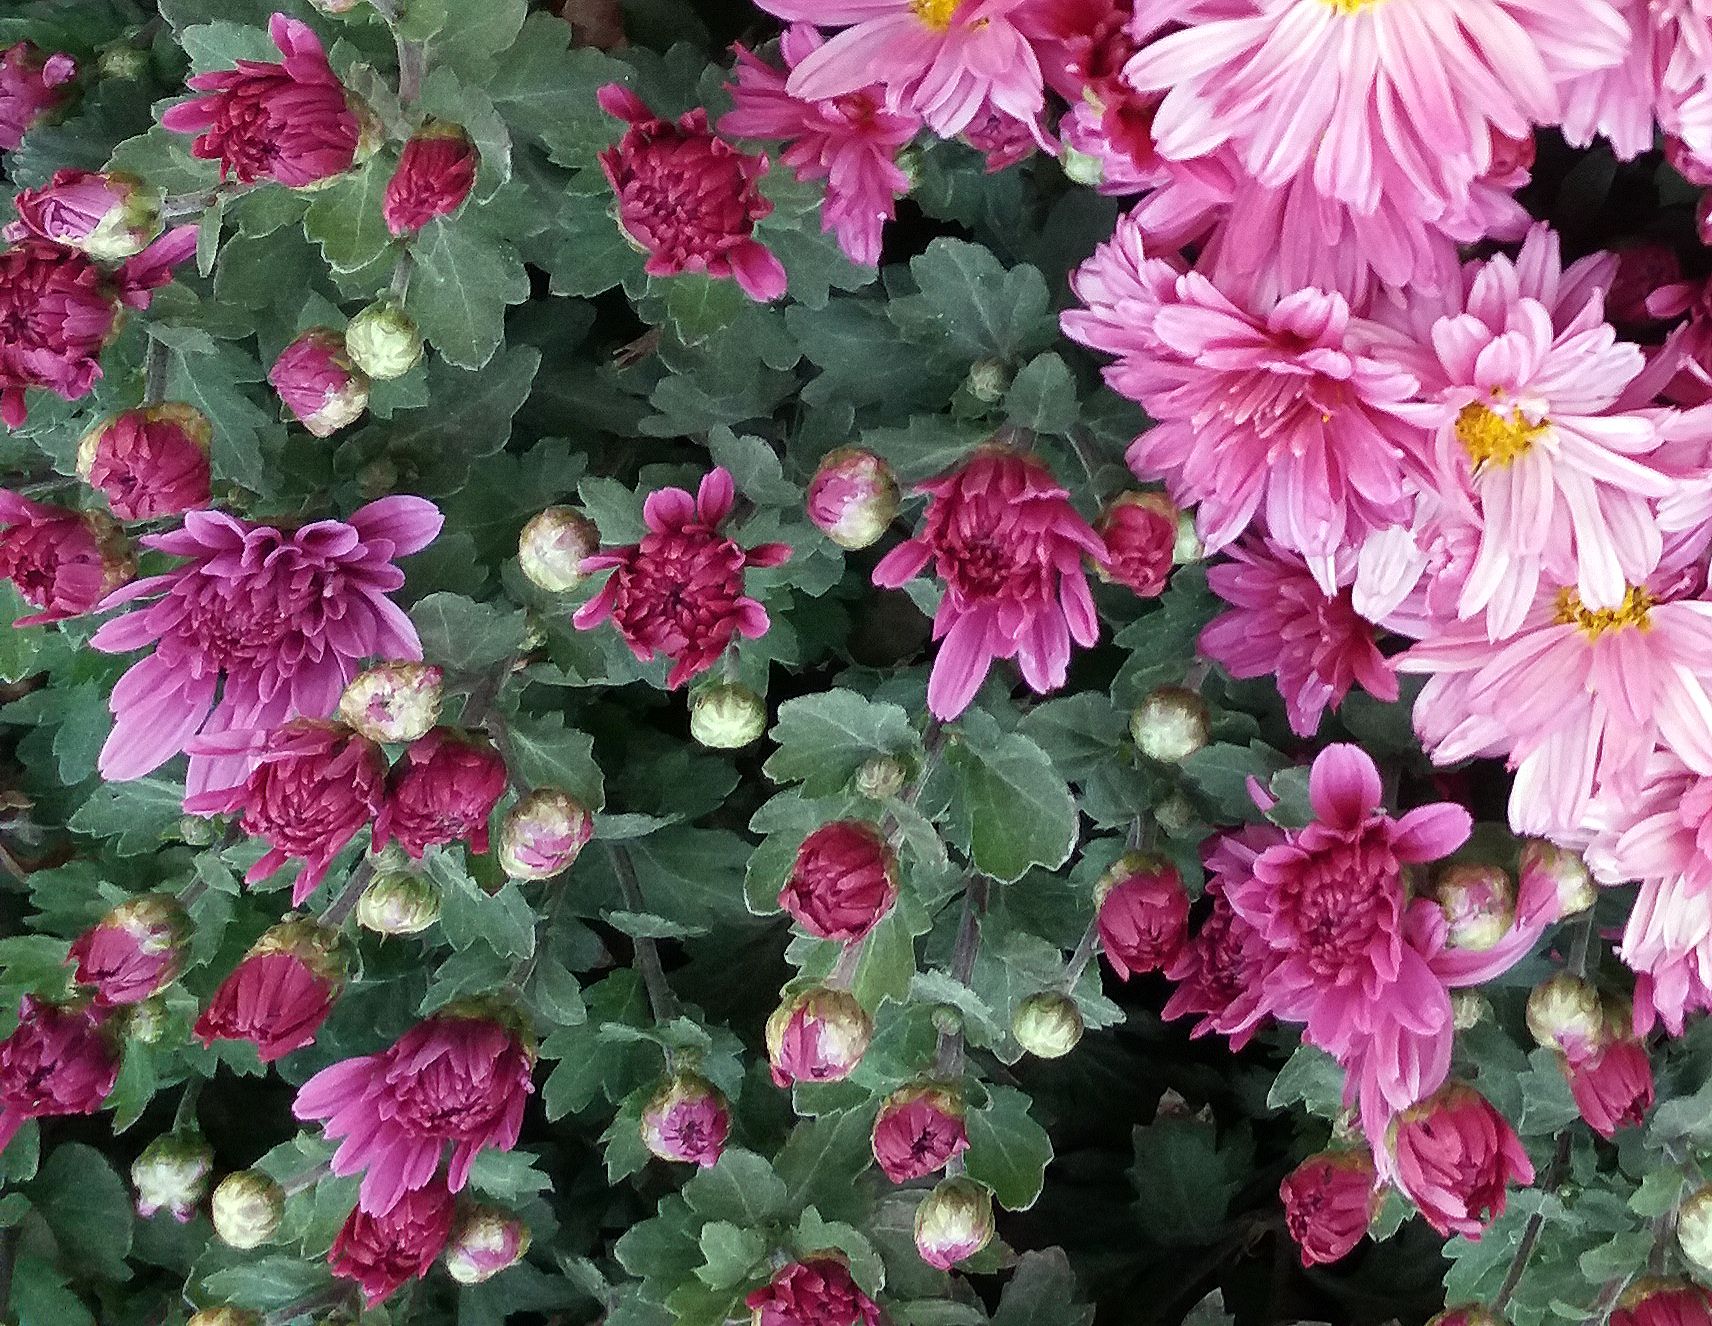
x=949 y=61
x=1527 y=390
x=1578 y=698
x=1666 y=77
x=1377 y=100
x=1662 y=837
x=1283 y=625
x=256 y=626
x=850 y=141
x=1285 y=411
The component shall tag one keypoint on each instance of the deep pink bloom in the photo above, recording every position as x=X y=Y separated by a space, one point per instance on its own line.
x=1002 y=535
x=382 y=1250
x=1143 y=917
x=815 y=1292
x=284 y=619
x=680 y=591
x=133 y=952
x=1140 y=534
x=280 y=992
x=319 y=384
x=290 y=122
x=458 y=1077
x=1083 y=46
x=149 y=462
x=442 y=791
x=843 y=882
x=1613 y=1087
x=1218 y=971
x=1329 y=1201
x=1289 y=410
x=435 y=173
x=311 y=786
x=31 y=85
x=851 y=141
x=917 y=1132
x=1664 y=1303
x=949 y=61
x=1578 y=698
x=1454 y=1155
x=690 y=200
x=1391 y=101
x=59 y=1060
x=108 y=216
x=61 y=562
x=687 y=1120
x=1283 y=625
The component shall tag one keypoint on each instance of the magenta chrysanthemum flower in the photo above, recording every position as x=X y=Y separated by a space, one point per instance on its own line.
x=61 y=562
x=1218 y=971
x=851 y=141
x=257 y=626
x=949 y=61
x=443 y=790
x=1002 y=535
x=31 y=85
x=1283 y=625
x=459 y=1078
x=1380 y=101
x=59 y=1060
x=1285 y=412
x=1578 y=698
x=680 y=591
x=1453 y=1157
x=1329 y=1201
x=383 y=1250
x=280 y=992
x=1526 y=387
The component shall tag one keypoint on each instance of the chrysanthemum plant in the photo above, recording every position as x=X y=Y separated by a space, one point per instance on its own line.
x=915 y=661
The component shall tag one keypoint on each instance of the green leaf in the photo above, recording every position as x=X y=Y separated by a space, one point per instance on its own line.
x=472 y=36
x=971 y=304
x=1185 y=1176
x=40 y=1296
x=542 y=752
x=1220 y=773
x=503 y=921
x=824 y=739
x=270 y=1282
x=346 y=218
x=1008 y=1151
x=547 y=91
x=465 y=276
x=1011 y=810
x=1043 y=396
x=730 y=1253
x=1311 y=1077
x=88 y=1208
x=213 y=383
x=1043 y=1292
x=464 y=636
x=741 y=1188
x=131 y=815
x=822 y=1156
x=645 y=925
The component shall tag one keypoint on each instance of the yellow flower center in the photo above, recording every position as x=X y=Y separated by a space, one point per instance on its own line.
x=935 y=13
x=1347 y=7
x=1594 y=622
x=1491 y=438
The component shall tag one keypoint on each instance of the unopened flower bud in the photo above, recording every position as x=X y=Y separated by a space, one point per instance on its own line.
x=880 y=778
x=726 y=716
x=1047 y=1025
x=172 y=1173
x=1080 y=168
x=1564 y=1014
x=484 y=1241
x=687 y=1120
x=817 y=1035
x=318 y=382
x=135 y=951
x=552 y=546
x=122 y=62
x=1139 y=530
x=436 y=171
x=543 y=834
x=394 y=702
x=1694 y=1228
x=1479 y=905
x=110 y=216
x=1175 y=814
x=225 y=1317
x=918 y=1130
x=247 y=1209
x=1171 y=724
x=196 y=831
x=149 y=462
x=398 y=903
x=1467 y=1007
x=334 y=8
x=1143 y=917
x=988 y=380
x=853 y=497
x=147 y=1022
x=953 y=1222
x=1189 y=547
x=383 y=341
x=1566 y=871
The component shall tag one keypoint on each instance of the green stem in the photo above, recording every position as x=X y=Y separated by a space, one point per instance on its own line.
x=660 y=997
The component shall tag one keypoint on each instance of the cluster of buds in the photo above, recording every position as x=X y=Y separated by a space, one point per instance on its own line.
x=1605 y=1063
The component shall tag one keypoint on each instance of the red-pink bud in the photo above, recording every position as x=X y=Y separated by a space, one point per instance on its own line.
x=442 y=791
x=59 y=1060
x=108 y=216
x=436 y=172
x=817 y=1035
x=1139 y=530
x=1144 y=913
x=917 y=1132
x=843 y=882
x=281 y=991
x=319 y=384
x=687 y=1120
x=1613 y=1087
x=484 y=1241
x=1688 y=163
x=61 y=562
x=816 y=1291
x=31 y=85
x=1329 y=1201
x=149 y=462
x=1652 y=1301
x=1454 y=1156
x=382 y=1252
x=1641 y=269
x=133 y=952
x=853 y=497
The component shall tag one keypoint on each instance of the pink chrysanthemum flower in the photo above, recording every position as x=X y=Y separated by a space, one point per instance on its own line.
x=1661 y=836
x=1003 y=537
x=1283 y=625
x=1527 y=391
x=61 y=1059
x=1284 y=412
x=1393 y=100
x=851 y=141
x=1666 y=77
x=257 y=626
x=459 y=1077
x=680 y=591
x=381 y=1251
x=949 y=61
x=1578 y=698
x=1218 y=971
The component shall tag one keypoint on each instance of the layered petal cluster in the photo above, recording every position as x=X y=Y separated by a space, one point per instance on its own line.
x=1329 y=1201
x=843 y=881
x=32 y=84
x=817 y=1291
x=384 y=1250
x=442 y=791
x=435 y=173
x=1008 y=546
x=61 y=562
x=61 y=1059
x=1454 y=1156
x=280 y=992
x=149 y=462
